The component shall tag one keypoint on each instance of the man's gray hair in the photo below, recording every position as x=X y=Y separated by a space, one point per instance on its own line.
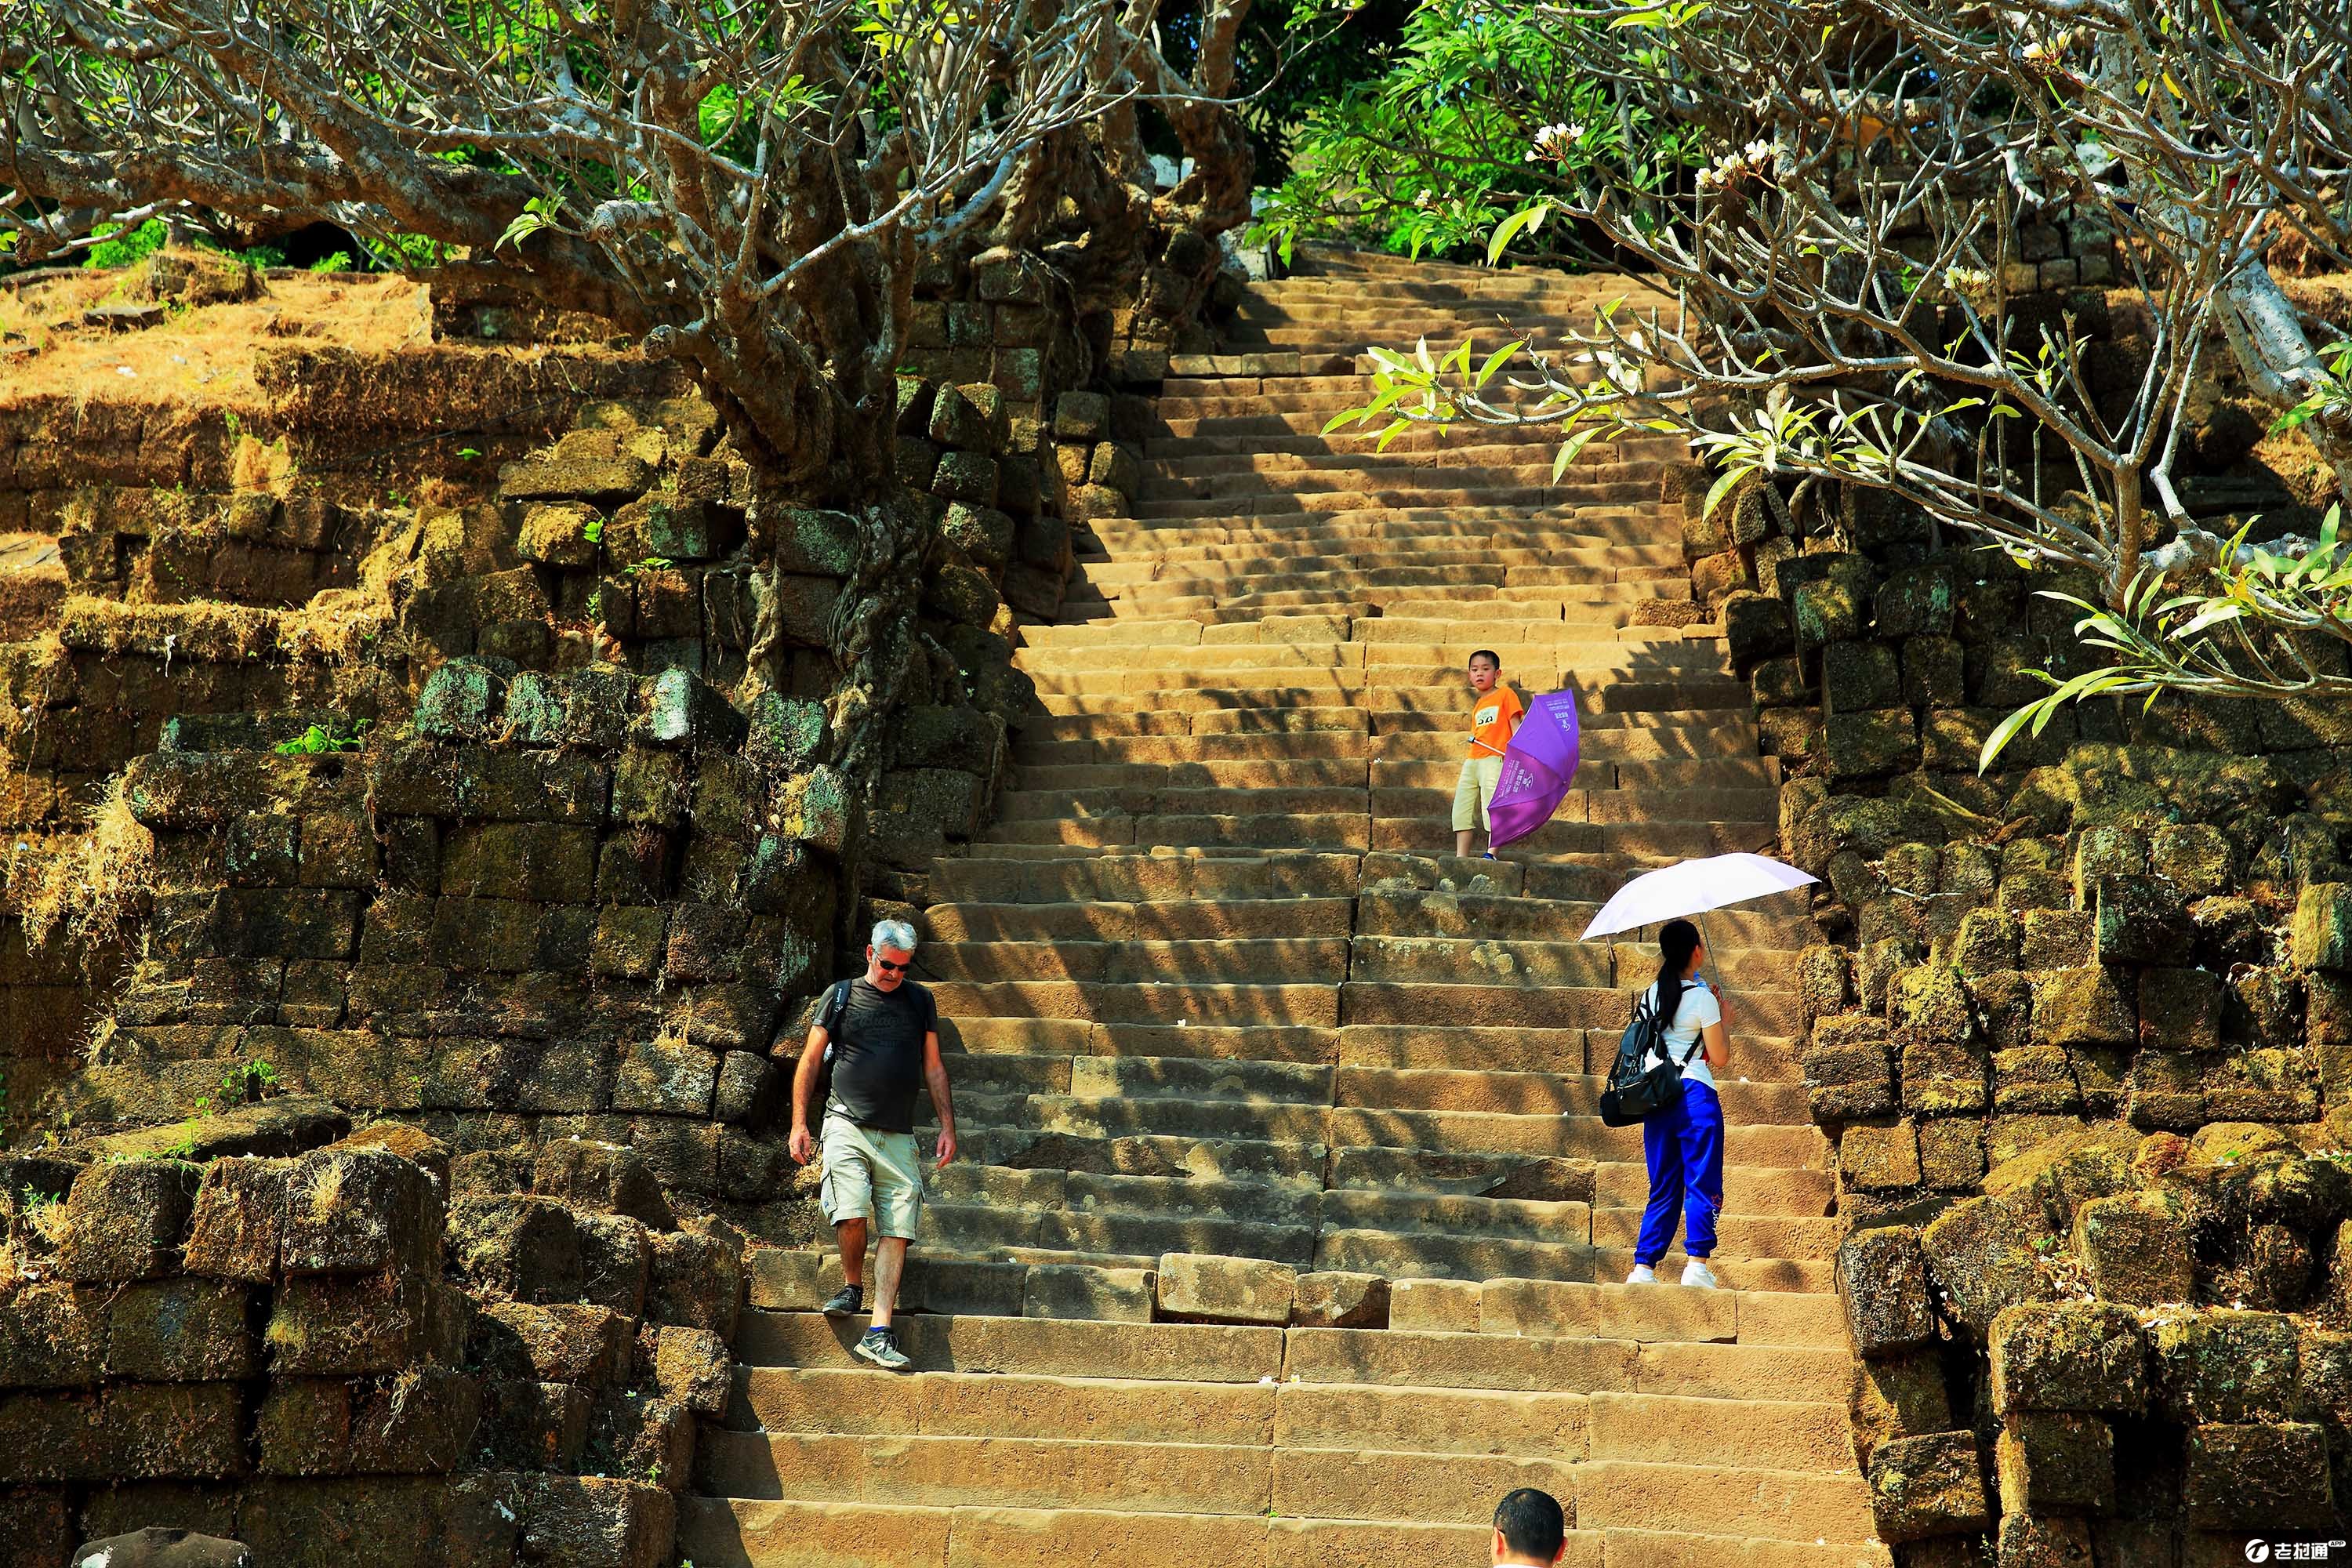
x=896 y=936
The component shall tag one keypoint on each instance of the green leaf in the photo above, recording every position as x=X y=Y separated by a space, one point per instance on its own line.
x=1570 y=449
x=1526 y=219
x=2006 y=730
x=1722 y=486
x=1494 y=361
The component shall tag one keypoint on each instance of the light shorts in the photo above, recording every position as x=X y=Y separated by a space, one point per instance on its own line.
x=865 y=1168
x=1474 y=793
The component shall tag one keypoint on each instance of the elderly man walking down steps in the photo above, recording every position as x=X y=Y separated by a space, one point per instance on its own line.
x=874 y=1046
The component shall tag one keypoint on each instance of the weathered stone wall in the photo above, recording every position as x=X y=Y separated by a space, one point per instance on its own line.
x=354 y=1348
x=2079 y=1033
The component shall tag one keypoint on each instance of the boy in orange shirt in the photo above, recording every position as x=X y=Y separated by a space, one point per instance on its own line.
x=1498 y=712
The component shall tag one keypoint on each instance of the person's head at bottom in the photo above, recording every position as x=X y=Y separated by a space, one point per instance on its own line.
x=1529 y=1529
x=888 y=952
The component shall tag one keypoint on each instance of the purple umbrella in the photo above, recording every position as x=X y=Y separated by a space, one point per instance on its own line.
x=1537 y=766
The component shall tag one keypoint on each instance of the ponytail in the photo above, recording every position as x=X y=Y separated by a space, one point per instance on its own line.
x=1677 y=940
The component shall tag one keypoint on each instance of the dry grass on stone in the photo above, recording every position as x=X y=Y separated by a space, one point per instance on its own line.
x=91 y=886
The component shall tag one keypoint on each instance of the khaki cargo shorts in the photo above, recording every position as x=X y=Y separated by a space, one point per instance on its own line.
x=866 y=1170
x=1473 y=794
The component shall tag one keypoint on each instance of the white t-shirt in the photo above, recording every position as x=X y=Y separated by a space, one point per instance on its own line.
x=1694 y=1012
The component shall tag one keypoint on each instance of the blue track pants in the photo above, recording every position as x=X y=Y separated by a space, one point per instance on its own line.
x=1685 y=1146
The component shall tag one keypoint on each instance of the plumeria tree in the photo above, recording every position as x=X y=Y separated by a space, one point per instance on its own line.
x=751 y=188
x=1833 y=197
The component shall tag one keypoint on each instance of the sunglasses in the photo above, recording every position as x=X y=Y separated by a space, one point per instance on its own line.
x=890 y=968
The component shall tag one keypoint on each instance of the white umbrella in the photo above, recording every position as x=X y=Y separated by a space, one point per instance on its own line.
x=1692 y=888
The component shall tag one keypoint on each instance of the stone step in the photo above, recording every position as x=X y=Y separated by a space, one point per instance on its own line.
x=1186 y=1478
x=1751 y=1191
x=748 y=1533
x=1160 y=1050
x=1282 y=504
x=1408 y=1158
x=1569 y=1136
x=1657 y=758
x=1218 y=1353
x=1785 y=1434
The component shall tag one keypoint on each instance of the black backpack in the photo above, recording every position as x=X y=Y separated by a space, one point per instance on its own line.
x=828 y=1018
x=1637 y=1088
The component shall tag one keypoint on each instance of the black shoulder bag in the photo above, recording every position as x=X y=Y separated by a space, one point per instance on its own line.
x=1638 y=1090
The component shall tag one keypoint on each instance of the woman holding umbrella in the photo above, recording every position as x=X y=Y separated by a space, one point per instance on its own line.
x=1684 y=1140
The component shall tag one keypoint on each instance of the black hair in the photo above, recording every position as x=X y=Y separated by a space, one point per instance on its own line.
x=1531 y=1524
x=1489 y=654
x=1677 y=940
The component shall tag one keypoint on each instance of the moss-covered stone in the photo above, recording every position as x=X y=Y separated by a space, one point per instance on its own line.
x=2068 y=1357
x=1882 y=1277
x=2044 y=1541
x=1983 y=1255
x=1951 y=1153
x=125 y=1222
x=2321 y=937
x=1848 y=1069
x=2135 y=1249
x=2180 y=1010
x=2226 y=1366
x=1879 y=1159
x=2061 y=1172
x=2139 y=920
x=2267 y=1477
x=1931 y=1485
x=2051 y=1461
x=1897 y=1396
x=2092 y=1006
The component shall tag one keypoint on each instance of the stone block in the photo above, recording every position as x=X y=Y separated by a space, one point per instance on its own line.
x=1857 y=677
x=1879 y=1159
x=2180 y=1010
x=2068 y=1357
x=1981 y=1253
x=1871 y=743
x=2135 y=1250
x=239 y=1216
x=52 y=1336
x=2043 y=1540
x=2056 y=1462
x=1208 y=1287
x=1928 y=1486
x=1951 y=1153
x=1338 y=1299
x=1882 y=1279
x=182 y=1330
x=422 y=1424
x=697 y=1281
x=2194 y=857
x=553 y=1342
x=751 y=1090
x=2139 y=920
x=127 y=1221
x=2321 y=935
x=2090 y=1006
x=616 y=1256
x=694 y=1370
x=1086 y=1293
x=2226 y=1366
x=1897 y=1396
x=2261 y=1478
x=328 y=1326
x=594 y=1522
x=1848 y=1069
x=523 y=1246
x=1434 y=1306
x=191 y=1431
x=603 y=1177
x=532 y=1426
x=361 y=1211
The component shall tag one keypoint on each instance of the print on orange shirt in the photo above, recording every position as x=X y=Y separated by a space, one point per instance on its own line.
x=1492 y=722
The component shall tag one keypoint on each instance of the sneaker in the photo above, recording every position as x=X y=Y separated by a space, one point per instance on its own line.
x=1643 y=1275
x=1489 y=855
x=880 y=1346
x=1696 y=1273
x=847 y=1302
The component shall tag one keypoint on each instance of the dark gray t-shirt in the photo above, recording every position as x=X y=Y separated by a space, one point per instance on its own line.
x=876 y=1043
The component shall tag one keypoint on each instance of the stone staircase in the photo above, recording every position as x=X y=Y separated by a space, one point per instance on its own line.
x=1219 y=988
